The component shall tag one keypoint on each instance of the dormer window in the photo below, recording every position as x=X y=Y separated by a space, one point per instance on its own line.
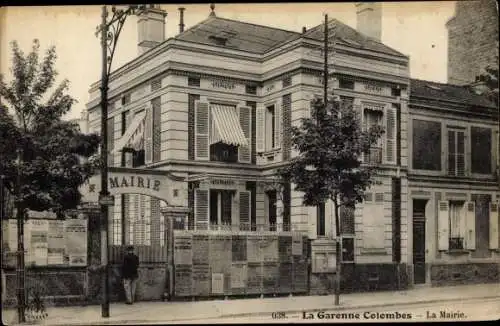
x=218 y=40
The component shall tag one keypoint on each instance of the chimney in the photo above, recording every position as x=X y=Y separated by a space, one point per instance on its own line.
x=304 y=30
x=181 y=23
x=151 y=28
x=369 y=19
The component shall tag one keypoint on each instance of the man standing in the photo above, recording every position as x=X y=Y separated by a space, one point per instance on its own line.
x=130 y=274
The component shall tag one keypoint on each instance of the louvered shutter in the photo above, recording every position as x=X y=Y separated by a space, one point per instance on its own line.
x=245 y=117
x=451 y=153
x=494 y=241
x=201 y=141
x=470 y=225
x=460 y=154
x=201 y=209
x=260 y=128
x=390 y=135
x=148 y=134
x=278 y=117
x=245 y=207
x=443 y=225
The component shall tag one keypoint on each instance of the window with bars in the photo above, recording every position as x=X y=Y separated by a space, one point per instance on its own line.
x=456 y=152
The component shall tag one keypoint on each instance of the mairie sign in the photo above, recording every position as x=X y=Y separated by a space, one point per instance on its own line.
x=159 y=184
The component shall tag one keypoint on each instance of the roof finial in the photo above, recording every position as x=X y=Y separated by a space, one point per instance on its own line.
x=212 y=7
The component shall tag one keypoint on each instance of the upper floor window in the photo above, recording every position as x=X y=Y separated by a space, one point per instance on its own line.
x=456 y=152
x=426 y=142
x=396 y=91
x=346 y=83
x=480 y=150
x=287 y=81
x=269 y=127
x=193 y=81
x=251 y=89
x=372 y=118
x=222 y=132
x=156 y=84
x=126 y=99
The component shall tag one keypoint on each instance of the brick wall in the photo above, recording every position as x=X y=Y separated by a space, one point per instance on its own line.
x=472 y=40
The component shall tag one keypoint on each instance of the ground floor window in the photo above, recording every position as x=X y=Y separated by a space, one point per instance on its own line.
x=220 y=207
x=457 y=225
x=272 y=200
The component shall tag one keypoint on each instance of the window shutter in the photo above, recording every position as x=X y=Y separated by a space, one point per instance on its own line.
x=260 y=128
x=245 y=116
x=460 y=155
x=148 y=134
x=494 y=225
x=470 y=225
x=245 y=207
x=278 y=114
x=201 y=114
x=390 y=135
x=201 y=209
x=451 y=153
x=443 y=225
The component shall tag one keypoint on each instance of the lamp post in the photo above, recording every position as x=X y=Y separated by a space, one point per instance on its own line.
x=109 y=32
x=21 y=299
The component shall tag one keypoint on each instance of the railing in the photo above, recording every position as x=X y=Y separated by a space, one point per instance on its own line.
x=156 y=253
x=228 y=227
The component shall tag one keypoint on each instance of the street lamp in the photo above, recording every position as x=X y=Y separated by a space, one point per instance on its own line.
x=109 y=32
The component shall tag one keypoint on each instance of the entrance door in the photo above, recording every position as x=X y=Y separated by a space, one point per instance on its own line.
x=419 y=241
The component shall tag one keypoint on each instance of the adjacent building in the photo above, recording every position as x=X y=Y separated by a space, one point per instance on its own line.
x=453 y=188
x=472 y=40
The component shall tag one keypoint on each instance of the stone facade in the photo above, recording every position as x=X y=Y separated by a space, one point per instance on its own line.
x=472 y=40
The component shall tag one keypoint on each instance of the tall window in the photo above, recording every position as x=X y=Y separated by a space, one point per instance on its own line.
x=272 y=200
x=457 y=225
x=480 y=150
x=270 y=127
x=456 y=152
x=321 y=224
x=372 y=118
x=220 y=208
x=156 y=146
x=125 y=120
x=426 y=153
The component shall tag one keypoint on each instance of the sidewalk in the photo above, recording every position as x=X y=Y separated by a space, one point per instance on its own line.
x=170 y=312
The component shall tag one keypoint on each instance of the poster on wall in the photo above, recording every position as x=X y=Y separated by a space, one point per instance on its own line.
x=76 y=241
x=38 y=243
x=56 y=243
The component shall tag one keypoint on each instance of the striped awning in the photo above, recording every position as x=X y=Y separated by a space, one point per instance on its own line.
x=134 y=135
x=226 y=126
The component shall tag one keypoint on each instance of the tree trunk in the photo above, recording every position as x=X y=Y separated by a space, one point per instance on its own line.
x=338 y=254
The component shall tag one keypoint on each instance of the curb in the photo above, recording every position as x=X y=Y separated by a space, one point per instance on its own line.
x=240 y=315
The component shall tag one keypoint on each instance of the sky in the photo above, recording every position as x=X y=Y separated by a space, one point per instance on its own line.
x=416 y=29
